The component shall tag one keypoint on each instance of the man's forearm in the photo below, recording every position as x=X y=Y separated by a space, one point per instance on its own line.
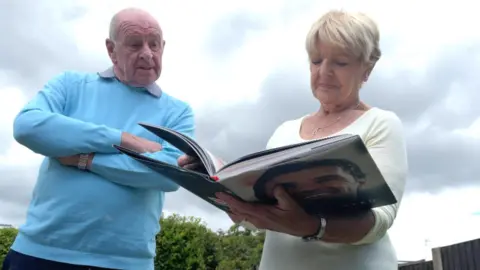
x=55 y=135
x=123 y=170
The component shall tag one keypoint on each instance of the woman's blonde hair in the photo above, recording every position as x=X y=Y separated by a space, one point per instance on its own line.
x=354 y=32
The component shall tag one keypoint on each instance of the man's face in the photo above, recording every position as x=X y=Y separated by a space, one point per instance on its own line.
x=316 y=183
x=137 y=51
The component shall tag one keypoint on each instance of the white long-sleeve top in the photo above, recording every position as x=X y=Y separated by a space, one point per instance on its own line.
x=382 y=132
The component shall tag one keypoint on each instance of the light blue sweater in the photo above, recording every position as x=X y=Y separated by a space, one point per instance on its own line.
x=107 y=217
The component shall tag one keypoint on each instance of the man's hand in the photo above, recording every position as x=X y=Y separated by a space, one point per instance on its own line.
x=139 y=144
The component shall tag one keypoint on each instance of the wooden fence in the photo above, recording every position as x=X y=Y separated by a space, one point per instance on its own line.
x=419 y=265
x=461 y=256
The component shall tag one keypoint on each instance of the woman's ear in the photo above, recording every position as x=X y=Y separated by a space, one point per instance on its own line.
x=366 y=74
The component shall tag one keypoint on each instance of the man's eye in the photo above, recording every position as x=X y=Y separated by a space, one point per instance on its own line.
x=155 y=45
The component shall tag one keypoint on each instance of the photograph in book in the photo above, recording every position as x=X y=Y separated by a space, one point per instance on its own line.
x=334 y=175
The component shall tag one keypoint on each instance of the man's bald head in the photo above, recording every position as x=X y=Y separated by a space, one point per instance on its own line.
x=129 y=14
x=135 y=46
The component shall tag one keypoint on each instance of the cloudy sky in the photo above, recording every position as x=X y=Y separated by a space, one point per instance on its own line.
x=243 y=67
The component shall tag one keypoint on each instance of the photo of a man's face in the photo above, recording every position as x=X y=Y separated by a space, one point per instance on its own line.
x=313 y=181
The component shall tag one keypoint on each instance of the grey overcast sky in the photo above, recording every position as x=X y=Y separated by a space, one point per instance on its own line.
x=242 y=66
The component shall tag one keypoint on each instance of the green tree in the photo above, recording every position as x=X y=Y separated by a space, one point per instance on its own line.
x=239 y=248
x=7 y=235
x=185 y=243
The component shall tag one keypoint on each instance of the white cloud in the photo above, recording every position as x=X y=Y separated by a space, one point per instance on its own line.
x=439 y=219
x=11 y=102
x=472 y=131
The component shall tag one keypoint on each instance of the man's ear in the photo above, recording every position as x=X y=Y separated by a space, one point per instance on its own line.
x=110 y=45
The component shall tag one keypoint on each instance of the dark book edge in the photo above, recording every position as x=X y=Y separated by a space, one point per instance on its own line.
x=385 y=191
x=183 y=143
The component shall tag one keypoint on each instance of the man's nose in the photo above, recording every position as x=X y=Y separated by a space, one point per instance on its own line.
x=146 y=53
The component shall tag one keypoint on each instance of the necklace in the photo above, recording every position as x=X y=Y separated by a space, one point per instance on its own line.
x=315 y=131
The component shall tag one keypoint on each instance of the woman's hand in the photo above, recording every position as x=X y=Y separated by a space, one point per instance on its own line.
x=289 y=218
x=285 y=217
x=188 y=162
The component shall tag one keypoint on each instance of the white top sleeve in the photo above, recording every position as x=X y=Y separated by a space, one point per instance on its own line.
x=387 y=147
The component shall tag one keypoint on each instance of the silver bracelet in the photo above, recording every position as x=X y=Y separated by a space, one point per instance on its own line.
x=320 y=232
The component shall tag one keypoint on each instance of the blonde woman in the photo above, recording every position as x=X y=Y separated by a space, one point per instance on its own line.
x=343 y=49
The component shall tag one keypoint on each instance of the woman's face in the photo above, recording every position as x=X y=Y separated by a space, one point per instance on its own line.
x=335 y=75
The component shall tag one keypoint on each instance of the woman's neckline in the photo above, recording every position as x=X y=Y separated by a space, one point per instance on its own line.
x=335 y=133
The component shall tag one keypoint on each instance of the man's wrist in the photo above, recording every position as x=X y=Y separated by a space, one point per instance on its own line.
x=312 y=226
x=90 y=160
x=315 y=230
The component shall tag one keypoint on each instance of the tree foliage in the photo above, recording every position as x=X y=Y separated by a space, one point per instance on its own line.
x=7 y=235
x=186 y=243
x=239 y=248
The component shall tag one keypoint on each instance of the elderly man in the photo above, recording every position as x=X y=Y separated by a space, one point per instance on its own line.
x=92 y=207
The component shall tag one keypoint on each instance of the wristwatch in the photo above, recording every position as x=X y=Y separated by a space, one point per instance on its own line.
x=83 y=161
x=319 y=233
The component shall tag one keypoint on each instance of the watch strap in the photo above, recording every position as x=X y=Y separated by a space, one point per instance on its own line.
x=83 y=161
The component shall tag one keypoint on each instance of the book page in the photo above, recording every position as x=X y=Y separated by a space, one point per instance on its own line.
x=216 y=161
x=279 y=151
x=278 y=154
x=185 y=144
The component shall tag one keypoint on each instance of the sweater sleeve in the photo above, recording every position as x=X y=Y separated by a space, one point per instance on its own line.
x=123 y=170
x=387 y=147
x=43 y=127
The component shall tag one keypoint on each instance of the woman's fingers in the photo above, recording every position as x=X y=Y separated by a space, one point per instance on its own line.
x=186 y=160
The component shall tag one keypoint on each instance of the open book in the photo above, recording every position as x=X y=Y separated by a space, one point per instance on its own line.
x=334 y=175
